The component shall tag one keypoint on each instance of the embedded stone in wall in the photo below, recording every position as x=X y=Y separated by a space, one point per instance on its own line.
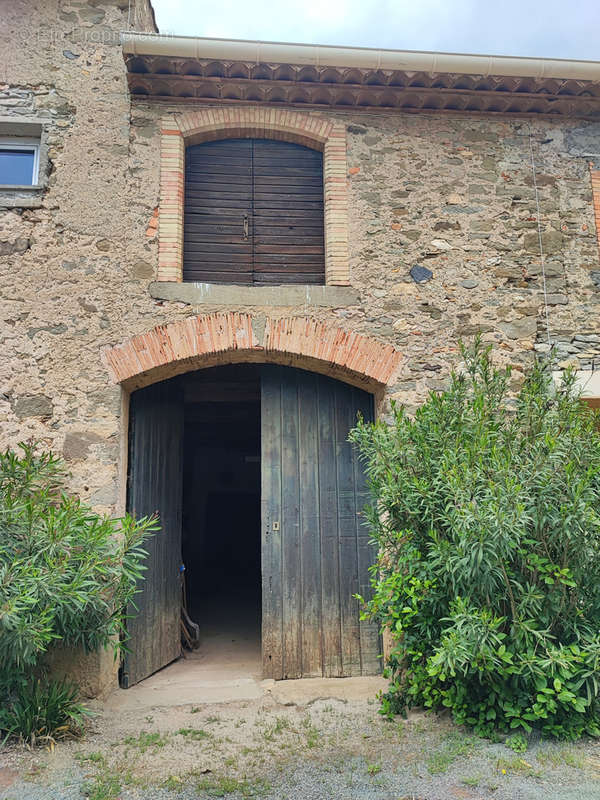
x=19 y=245
x=552 y=242
x=519 y=329
x=421 y=274
x=142 y=270
x=33 y=405
x=77 y=445
x=446 y=226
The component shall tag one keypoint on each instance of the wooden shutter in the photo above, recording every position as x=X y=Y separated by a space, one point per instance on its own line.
x=288 y=213
x=218 y=198
x=316 y=551
x=155 y=485
x=253 y=213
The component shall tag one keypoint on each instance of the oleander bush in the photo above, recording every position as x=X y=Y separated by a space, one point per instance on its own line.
x=66 y=576
x=486 y=510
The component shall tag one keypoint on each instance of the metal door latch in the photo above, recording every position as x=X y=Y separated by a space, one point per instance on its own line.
x=245 y=237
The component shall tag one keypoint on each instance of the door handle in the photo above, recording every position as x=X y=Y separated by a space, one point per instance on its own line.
x=245 y=236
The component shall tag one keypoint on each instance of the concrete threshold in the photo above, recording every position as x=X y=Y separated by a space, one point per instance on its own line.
x=182 y=684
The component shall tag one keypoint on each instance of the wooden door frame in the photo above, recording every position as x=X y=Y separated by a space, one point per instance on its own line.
x=221 y=338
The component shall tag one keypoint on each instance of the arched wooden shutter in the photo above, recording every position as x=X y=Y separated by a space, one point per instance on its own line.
x=253 y=213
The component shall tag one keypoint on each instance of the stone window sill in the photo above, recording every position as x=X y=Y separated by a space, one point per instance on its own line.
x=27 y=196
x=198 y=294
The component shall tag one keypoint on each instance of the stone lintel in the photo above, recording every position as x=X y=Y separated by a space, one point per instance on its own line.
x=199 y=294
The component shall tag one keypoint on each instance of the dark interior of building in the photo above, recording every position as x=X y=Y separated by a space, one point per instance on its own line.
x=221 y=508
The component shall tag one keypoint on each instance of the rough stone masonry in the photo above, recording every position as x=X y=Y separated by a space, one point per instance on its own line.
x=450 y=194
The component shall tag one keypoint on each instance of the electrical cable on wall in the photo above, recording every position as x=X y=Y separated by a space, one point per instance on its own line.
x=539 y=227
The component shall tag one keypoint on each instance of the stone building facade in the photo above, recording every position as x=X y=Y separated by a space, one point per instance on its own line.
x=91 y=301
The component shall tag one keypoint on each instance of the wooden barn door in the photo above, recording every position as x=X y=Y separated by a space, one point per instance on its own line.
x=315 y=549
x=155 y=485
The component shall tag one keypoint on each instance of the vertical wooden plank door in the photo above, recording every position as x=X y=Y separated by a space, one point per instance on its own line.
x=155 y=485
x=315 y=549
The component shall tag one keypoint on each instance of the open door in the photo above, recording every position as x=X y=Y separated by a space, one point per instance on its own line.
x=155 y=485
x=315 y=550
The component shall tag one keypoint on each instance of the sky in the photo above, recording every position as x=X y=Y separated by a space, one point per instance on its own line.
x=539 y=28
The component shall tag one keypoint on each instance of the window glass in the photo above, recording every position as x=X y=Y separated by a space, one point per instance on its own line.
x=17 y=166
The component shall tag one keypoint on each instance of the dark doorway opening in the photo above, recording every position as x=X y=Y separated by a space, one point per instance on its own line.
x=221 y=547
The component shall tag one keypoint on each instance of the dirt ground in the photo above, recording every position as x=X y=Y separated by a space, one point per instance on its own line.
x=292 y=747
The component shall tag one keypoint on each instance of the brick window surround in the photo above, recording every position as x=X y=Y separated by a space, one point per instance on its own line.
x=595 y=178
x=180 y=129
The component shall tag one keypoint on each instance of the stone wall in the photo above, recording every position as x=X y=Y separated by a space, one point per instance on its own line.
x=69 y=267
x=452 y=195
x=457 y=196
x=464 y=201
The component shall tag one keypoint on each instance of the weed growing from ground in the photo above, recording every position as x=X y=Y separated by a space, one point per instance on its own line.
x=223 y=786
x=194 y=733
x=517 y=743
x=144 y=741
x=106 y=786
x=516 y=766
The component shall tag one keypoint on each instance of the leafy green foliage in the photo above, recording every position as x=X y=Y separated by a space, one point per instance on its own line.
x=66 y=573
x=487 y=515
x=43 y=711
x=517 y=742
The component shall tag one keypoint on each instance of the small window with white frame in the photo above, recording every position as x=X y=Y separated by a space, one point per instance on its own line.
x=19 y=161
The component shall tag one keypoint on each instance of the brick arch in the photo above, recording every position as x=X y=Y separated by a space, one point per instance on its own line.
x=261 y=123
x=178 y=129
x=228 y=338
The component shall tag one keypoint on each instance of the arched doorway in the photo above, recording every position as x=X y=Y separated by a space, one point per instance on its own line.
x=204 y=447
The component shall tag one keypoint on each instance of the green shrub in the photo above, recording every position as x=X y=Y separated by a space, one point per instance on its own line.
x=66 y=573
x=486 y=510
x=42 y=711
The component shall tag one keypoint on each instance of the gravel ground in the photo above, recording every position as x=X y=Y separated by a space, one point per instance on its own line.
x=327 y=749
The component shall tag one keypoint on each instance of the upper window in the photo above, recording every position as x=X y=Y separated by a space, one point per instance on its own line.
x=253 y=213
x=19 y=161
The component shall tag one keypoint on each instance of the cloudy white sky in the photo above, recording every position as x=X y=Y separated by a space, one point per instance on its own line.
x=543 y=28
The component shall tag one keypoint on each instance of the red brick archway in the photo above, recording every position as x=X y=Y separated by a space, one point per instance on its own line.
x=226 y=338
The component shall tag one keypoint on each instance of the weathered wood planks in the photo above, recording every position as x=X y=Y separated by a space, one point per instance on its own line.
x=253 y=213
x=155 y=485
x=316 y=551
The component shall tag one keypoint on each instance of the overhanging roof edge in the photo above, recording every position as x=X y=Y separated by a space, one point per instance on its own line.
x=356 y=57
